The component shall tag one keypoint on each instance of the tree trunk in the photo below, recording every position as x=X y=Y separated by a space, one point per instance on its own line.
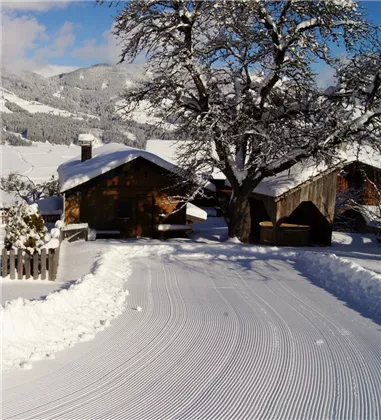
x=240 y=218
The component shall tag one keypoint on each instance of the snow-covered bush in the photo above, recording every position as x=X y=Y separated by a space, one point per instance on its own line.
x=25 y=227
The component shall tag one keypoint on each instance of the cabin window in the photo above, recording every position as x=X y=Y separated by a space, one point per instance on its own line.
x=124 y=209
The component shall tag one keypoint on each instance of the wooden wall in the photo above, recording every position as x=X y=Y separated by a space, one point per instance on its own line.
x=145 y=189
x=321 y=192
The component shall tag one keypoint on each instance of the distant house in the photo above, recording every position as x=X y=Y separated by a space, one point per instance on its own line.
x=359 y=195
x=51 y=208
x=115 y=188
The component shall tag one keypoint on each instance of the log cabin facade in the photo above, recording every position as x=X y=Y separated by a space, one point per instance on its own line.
x=123 y=190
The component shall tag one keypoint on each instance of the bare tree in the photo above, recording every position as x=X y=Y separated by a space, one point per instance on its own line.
x=23 y=187
x=237 y=77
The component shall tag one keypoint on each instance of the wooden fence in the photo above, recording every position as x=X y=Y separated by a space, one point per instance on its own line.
x=22 y=264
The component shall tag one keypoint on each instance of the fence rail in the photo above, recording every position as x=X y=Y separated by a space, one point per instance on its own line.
x=23 y=264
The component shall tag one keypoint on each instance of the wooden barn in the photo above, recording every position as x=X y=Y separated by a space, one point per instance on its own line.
x=118 y=189
x=295 y=207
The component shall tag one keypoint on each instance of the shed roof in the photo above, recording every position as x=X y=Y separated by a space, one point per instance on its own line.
x=105 y=158
x=308 y=170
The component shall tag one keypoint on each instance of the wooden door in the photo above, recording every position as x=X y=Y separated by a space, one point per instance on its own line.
x=144 y=216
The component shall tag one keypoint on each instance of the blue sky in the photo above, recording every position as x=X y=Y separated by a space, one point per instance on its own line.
x=61 y=35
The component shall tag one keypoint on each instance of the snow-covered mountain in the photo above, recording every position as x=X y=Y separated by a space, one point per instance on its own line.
x=57 y=108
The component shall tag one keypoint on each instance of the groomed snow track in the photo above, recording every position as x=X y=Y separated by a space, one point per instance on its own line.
x=241 y=339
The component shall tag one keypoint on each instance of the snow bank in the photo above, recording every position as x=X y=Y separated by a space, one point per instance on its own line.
x=345 y=279
x=35 y=330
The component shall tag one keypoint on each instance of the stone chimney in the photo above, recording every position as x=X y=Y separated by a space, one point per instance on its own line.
x=86 y=143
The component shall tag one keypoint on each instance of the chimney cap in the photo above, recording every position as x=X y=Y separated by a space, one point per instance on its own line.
x=85 y=139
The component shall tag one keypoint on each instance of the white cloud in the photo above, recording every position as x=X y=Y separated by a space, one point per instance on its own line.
x=107 y=51
x=52 y=70
x=58 y=45
x=20 y=35
x=326 y=76
x=34 y=6
x=26 y=44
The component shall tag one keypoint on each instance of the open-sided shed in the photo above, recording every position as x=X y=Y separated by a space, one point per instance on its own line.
x=298 y=206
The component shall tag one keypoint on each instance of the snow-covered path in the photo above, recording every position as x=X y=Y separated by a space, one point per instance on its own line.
x=216 y=339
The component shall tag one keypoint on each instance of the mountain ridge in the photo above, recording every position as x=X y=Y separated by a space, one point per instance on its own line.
x=58 y=108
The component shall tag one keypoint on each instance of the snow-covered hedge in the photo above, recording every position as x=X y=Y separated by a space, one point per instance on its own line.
x=35 y=330
x=25 y=227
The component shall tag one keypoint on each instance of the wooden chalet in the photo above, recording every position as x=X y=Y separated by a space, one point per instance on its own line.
x=125 y=191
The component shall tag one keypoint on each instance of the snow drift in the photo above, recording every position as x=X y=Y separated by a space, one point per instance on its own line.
x=346 y=279
x=36 y=329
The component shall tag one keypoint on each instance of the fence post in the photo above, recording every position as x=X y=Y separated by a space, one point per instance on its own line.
x=12 y=264
x=19 y=264
x=27 y=265
x=35 y=265
x=51 y=263
x=4 y=258
x=43 y=264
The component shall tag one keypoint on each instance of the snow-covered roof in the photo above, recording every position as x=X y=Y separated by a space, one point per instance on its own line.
x=50 y=205
x=85 y=137
x=363 y=154
x=285 y=181
x=305 y=171
x=105 y=158
x=194 y=212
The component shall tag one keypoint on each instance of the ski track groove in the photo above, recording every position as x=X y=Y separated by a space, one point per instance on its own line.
x=361 y=371
x=213 y=342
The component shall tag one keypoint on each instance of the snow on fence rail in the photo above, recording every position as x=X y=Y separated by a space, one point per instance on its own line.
x=24 y=264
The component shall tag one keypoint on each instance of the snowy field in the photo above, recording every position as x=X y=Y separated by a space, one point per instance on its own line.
x=39 y=161
x=224 y=331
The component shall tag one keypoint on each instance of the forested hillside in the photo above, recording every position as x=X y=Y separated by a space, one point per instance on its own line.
x=58 y=108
